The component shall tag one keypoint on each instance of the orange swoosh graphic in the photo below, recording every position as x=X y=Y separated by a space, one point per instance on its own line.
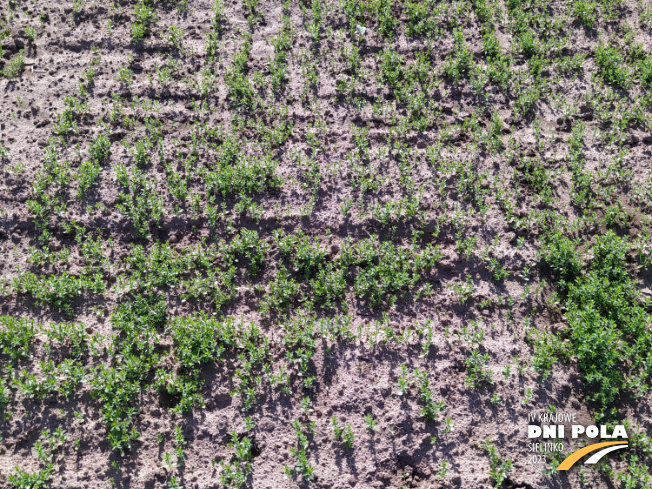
x=575 y=456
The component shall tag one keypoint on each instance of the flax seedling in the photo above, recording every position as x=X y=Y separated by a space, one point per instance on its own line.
x=463 y=290
x=174 y=37
x=342 y=434
x=306 y=406
x=29 y=480
x=345 y=208
x=478 y=371
x=174 y=483
x=500 y=469
x=431 y=408
x=15 y=67
x=496 y=400
x=235 y=473
x=443 y=469
x=179 y=443
x=145 y=18
x=302 y=465
x=404 y=381
x=30 y=33
x=4 y=152
x=370 y=422
x=167 y=462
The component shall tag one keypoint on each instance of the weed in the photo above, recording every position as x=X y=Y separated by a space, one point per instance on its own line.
x=496 y=400
x=174 y=483
x=422 y=18
x=244 y=176
x=241 y=93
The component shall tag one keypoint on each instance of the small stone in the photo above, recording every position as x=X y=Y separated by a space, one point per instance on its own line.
x=118 y=136
x=335 y=249
x=564 y=124
x=74 y=46
x=9 y=45
x=431 y=226
x=384 y=475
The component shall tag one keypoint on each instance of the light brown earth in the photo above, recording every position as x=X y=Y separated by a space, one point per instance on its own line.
x=355 y=377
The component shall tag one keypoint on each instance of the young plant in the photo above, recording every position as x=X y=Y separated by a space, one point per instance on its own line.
x=235 y=473
x=500 y=469
x=370 y=422
x=302 y=463
x=145 y=18
x=15 y=67
x=431 y=408
x=342 y=434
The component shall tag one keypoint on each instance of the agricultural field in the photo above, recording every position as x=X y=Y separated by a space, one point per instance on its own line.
x=323 y=243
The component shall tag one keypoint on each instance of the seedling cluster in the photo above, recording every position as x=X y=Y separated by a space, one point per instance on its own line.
x=274 y=239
